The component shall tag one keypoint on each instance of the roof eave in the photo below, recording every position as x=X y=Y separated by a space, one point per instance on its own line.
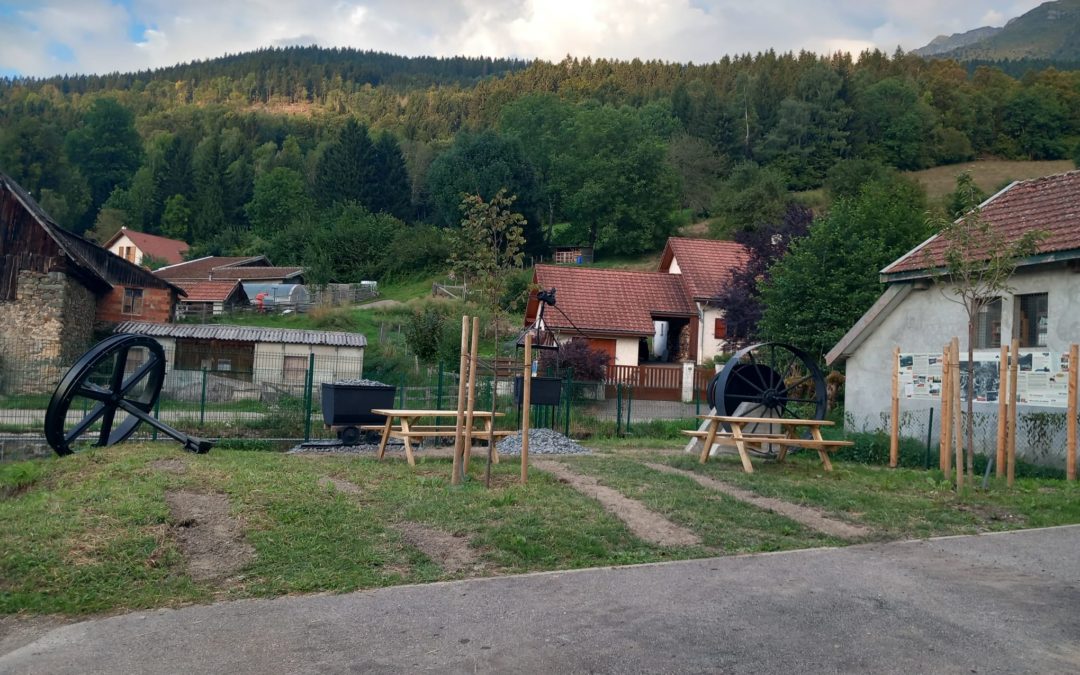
x=868 y=322
x=1029 y=261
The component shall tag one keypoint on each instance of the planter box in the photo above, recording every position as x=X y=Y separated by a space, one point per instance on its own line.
x=545 y=390
x=351 y=404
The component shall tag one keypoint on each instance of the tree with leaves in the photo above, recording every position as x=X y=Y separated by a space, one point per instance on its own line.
x=974 y=269
x=106 y=148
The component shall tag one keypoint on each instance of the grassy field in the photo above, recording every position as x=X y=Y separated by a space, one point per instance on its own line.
x=99 y=531
x=990 y=175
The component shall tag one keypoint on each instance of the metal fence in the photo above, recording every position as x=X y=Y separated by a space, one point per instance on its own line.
x=278 y=397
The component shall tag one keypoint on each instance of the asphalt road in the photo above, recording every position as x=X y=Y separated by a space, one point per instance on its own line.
x=1003 y=603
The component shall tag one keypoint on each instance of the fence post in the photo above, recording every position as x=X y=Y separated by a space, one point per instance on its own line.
x=929 y=430
x=618 y=409
x=569 y=390
x=401 y=395
x=202 y=400
x=629 y=403
x=309 y=396
x=438 y=393
x=157 y=414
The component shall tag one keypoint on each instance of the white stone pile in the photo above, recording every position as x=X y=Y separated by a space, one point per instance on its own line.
x=542 y=442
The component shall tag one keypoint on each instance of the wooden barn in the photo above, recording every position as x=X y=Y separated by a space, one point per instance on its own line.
x=57 y=288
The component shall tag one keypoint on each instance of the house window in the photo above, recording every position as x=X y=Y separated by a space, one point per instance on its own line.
x=294 y=368
x=132 y=301
x=720 y=329
x=1032 y=319
x=988 y=325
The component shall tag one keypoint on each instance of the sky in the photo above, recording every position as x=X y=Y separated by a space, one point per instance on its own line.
x=54 y=37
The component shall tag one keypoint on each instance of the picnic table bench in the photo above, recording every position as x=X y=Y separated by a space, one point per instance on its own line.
x=735 y=433
x=406 y=429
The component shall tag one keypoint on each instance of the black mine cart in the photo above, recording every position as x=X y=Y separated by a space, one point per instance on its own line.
x=346 y=407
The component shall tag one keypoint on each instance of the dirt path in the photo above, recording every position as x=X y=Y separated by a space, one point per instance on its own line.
x=211 y=539
x=645 y=524
x=805 y=515
x=450 y=552
x=381 y=304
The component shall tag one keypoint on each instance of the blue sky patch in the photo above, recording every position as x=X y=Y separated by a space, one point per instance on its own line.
x=59 y=51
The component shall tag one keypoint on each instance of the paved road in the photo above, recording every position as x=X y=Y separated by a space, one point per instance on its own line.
x=1005 y=603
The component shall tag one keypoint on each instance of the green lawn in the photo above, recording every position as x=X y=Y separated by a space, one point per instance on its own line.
x=93 y=532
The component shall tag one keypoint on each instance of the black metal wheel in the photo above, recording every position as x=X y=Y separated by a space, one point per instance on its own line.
x=99 y=401
x=349 y=435
x=770 y=379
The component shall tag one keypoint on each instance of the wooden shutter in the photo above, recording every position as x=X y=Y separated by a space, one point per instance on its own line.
x=720 y=329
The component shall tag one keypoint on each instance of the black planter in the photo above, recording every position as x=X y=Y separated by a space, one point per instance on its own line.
x=350 y=404
x=545 y=390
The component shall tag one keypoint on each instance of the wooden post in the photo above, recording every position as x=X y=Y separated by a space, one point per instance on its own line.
x=1070 y=415
x=945 y=462
x=526 y=401
x=1003 y=412
x=1014 y=376
x=466 y=449
x=957 y=420
x=894 y=428
x=455 y=479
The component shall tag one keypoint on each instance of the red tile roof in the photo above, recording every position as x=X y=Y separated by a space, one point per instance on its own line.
x=200 y=268
x=705 y=264
x=1051 y=204
x=209 y=291
x=253 y=273
x=610 y=301
x=170 y=250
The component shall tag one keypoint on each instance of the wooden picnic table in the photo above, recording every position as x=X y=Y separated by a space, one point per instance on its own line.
x=408 y=429
x=787 y=437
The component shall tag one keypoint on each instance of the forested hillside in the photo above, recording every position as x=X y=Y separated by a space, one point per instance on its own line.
x=354 y=162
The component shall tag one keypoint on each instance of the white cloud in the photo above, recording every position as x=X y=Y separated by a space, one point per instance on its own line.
x=109 y=35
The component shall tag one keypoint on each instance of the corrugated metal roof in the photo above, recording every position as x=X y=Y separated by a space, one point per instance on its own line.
x=244 y=333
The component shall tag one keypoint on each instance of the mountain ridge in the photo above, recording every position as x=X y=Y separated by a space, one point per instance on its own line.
x=1049 y=31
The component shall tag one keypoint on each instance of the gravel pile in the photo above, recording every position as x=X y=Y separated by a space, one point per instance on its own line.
x=542 y=442
x=336 y=446
x=363 y=383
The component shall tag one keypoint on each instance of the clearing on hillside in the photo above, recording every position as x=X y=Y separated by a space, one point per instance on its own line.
x=989 y=174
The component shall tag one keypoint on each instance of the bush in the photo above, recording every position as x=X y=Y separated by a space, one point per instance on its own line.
x=588 y=363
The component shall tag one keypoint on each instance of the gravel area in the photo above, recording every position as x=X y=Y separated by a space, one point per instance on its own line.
x=336 y=446
x=362 y=383
x=542 y=442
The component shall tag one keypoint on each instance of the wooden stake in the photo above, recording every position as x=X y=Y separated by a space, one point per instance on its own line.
x=957 y=420
x=1014 y=376
x=526 y=401
x=1003 y=412
x=455 y=479
x=466 y=449
x=945 y=462
x=894 y=428
x=1070 y=416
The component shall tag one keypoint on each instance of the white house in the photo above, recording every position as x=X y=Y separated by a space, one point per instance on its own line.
x=665 y=316
x=133 y=246
x=1042 y=311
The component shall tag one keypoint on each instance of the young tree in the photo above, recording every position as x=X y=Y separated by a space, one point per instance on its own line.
x=973 y=269
x=424 y=334
x=486 y=250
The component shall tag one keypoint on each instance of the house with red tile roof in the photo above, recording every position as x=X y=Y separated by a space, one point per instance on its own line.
x=133 y=246
x=637 y=317
x=210 y=298
x=221 y=268
x=915 y=313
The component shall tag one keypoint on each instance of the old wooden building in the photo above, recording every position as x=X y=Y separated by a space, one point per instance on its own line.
x=57 y=288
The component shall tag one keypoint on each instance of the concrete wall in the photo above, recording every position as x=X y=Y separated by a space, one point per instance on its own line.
x=710 y=346
x=925 y=321
x=626 y=351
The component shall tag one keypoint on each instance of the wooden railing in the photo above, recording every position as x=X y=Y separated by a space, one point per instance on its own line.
x=658 y=382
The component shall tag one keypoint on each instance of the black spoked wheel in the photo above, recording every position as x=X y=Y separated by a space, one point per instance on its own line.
x=94 y=403
x=769 y=380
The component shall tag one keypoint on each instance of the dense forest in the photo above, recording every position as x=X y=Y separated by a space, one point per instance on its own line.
x=354 y=163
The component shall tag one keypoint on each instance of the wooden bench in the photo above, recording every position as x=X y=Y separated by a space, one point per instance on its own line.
x=744 y=441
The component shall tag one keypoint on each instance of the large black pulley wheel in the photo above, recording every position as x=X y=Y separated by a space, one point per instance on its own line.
x=106 y=395
x=770 y=379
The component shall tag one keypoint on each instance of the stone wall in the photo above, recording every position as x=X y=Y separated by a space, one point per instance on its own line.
x=46 y=328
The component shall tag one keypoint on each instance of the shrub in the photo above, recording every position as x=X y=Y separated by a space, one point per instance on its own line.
x=588 y=363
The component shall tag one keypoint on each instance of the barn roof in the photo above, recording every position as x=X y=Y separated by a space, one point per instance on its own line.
x=243 y=333
x=210 y=291
x=96 y=265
